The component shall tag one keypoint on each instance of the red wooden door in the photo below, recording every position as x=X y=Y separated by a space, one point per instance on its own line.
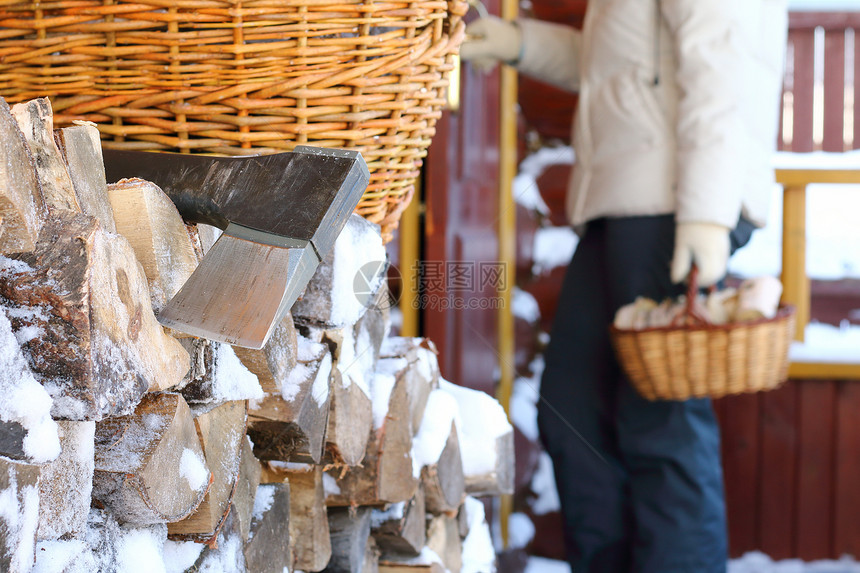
x=460 y=267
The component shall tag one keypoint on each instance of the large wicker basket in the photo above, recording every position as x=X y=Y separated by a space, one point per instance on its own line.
x=695 y=359
x=244 y=76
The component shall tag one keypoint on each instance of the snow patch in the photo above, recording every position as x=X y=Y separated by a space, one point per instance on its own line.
x=263 y=501
x=179 y=556
x=26 y=401
x=479 y=556
x=478 y=432
x=441 y=411
x=232 y=381
x=193 y=469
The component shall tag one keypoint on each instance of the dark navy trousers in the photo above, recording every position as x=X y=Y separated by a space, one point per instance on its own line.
x=640 y=482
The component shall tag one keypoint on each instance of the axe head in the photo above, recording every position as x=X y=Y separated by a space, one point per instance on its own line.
x=280 y=215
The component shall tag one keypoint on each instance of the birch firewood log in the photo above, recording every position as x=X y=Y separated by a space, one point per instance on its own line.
x=423 y=370
x=401 y=527
x=22 y=208
x=444 y=482
x=250 y=472
x=66 y=484
x=146 y=216
x=100 y=346
x=350 y=419
x=20 y=486
x=351 y=544
x=82 y=150
x=309 y=529
x=443 y=538
x=273 y=363
x=267 y=549
x=149 y=465
x=290 y=425
x=386 y=474
x=221 y=432
x=36 y=121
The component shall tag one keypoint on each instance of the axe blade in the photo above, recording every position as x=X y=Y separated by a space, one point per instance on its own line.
x=280 y=215
x=240 y=290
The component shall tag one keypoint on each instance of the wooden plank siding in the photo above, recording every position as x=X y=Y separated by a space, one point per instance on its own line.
x=792 y=469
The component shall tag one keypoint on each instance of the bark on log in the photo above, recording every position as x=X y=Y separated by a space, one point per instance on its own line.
x=66 y=484
x=147 y=217
x=444 y=482
x=22 y=208
x=268 y=547
x=350 y=534
x=350 y=420
x=443 y=537
x=386 y=474
x=36 y=121
x=291 y=425
x=401 y=528
x=149 y=466
x=309 y=529
x=101 y=347
x=273 y=363
x=82 y=150
x=250 y=473
x=221 y=432
x=20 y=485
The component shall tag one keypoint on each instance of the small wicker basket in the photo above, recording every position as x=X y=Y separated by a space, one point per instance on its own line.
x=233 y=77
x=696 y=359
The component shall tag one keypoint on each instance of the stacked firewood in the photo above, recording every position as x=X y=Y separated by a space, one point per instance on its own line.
x=125 y=446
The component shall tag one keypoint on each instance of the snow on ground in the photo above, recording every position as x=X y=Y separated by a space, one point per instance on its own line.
x=541 y=565
x=753 y=562
x=756 y=562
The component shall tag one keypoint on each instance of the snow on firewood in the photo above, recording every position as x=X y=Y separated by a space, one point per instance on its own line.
x=19 y=516
x=345 y=281
x=232 y=380
x=441 y=411
x=180 y=556
x=479 y=431
x=66 y=484
x=25 y=400
x=382 y=384
x=314 y=361
x=479 y=556
x=193 y=469
x=106 y=547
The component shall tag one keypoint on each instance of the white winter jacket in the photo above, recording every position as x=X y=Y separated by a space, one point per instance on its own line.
x=678 y=105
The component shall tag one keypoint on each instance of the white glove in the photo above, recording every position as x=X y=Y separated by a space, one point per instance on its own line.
x=707 y=245
x=490 y=40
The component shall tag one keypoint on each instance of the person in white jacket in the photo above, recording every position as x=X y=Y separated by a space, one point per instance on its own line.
x=673 y=135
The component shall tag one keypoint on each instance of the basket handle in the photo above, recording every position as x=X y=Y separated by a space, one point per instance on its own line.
x=690 y=316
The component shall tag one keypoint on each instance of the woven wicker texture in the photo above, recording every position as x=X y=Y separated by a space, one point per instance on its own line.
x=700 y=361
x=234 y=77
x=694 y=359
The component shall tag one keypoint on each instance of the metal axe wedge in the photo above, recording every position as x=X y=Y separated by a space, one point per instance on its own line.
x=280 y=215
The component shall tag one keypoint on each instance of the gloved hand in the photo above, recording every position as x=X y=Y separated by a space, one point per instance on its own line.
x=707 y=245
x=490 y=40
